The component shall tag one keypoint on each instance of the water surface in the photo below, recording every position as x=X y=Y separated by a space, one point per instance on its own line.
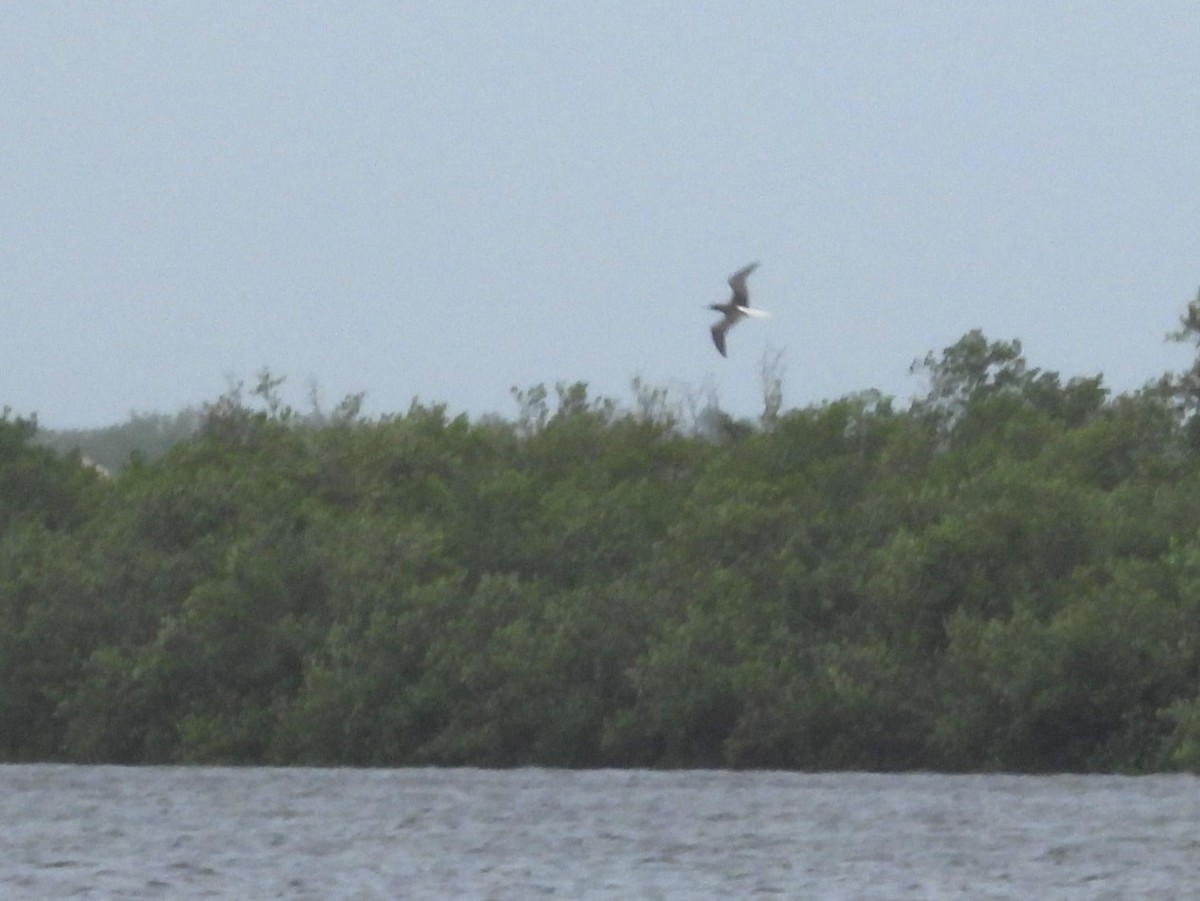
x=110 y=832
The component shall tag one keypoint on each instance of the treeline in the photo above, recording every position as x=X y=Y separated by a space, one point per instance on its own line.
x=1003 y=575
x=145 y=437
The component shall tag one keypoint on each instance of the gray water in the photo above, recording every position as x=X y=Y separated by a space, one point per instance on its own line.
x=108 y=832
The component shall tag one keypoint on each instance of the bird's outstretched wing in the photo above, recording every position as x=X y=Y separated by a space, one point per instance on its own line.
x=718 y=332
x=737 y=281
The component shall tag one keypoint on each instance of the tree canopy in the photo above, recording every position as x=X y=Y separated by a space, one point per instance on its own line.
x=1003 y=575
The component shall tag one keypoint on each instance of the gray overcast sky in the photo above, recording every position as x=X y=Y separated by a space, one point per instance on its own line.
x=447 y=199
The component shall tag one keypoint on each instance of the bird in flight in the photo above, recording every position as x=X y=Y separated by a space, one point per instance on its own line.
x=737 y=309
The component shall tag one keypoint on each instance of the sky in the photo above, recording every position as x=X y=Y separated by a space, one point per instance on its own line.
x=444 y=200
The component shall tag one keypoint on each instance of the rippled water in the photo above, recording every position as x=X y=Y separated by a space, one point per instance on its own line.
x=108 y=832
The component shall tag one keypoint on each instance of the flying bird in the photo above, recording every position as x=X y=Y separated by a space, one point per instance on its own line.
x=737 y=309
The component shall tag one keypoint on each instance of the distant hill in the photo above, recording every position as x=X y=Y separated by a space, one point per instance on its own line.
x=148 y=435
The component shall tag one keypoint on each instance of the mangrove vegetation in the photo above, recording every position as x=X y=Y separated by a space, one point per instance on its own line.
x=1003 y=574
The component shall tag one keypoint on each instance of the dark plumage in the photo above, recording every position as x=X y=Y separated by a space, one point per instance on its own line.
x=737 y=309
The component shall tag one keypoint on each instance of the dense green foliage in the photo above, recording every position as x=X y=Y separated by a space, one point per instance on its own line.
x=1004 y=575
